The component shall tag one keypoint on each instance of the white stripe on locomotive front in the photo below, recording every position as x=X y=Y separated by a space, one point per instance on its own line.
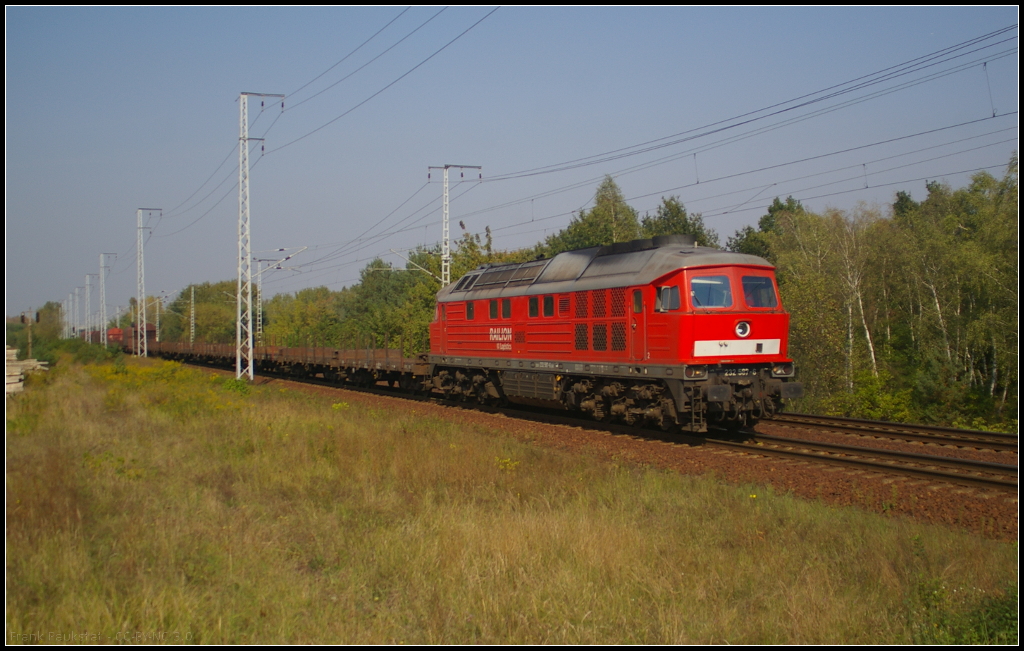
x=722 y=347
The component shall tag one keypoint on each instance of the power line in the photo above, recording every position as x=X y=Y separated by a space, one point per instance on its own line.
x=760 y=186
x=171 y=212
x=349 y=243
x=764 y=206
x=645 y=166
x=344 y=58
x=381 y=236
x=396 y=44
x=403 y=76
x=332 y=121
x=710 y=146
x=854 y=177
x=842 y=151
x=892 y=72
x=211 y=209
x=880 y=185
x=765 y=129
x=914 y=65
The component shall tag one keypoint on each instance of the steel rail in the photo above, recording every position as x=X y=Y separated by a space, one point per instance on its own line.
x=921 y=433
x=827 y=453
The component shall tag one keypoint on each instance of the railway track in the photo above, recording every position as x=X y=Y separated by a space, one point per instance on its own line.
x=958 y=471
x=928 y=434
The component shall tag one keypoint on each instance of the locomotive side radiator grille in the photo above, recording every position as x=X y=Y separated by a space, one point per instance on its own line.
x=582 y=340
x=619 y=301
x=600 y=310
x=619 y=336
x=582 y=312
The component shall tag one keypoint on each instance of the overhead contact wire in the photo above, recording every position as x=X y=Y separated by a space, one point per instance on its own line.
x=403 y=76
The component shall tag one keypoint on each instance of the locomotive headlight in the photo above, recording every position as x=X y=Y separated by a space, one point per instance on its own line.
x=695 y=372
x=783 y=369
x=742 y=328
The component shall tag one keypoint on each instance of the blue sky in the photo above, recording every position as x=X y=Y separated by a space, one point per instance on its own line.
x=111 y=109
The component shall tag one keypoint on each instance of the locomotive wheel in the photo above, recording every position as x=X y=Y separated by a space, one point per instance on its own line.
x=407 y=383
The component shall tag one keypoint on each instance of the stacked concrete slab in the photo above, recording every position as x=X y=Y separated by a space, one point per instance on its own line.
x=16 y=370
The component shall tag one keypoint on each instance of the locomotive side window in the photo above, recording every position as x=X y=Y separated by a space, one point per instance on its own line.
x=549 y=306
x=533 y=306
x=711 y=291
x=638 y=301
x=667 y=299
x=758 y=291
x=469 y=310
x=494 y=308
x=506 y=308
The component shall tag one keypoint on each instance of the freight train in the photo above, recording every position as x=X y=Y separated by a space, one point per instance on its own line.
x=657 y=332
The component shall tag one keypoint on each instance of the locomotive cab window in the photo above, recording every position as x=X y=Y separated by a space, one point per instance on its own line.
x=759 y=291
x=710 y=291
x=667 y=299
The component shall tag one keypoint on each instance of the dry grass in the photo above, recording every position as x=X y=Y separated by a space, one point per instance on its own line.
x=155 y=503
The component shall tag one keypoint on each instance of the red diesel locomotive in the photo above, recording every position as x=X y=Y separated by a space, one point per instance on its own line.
x=655 y=331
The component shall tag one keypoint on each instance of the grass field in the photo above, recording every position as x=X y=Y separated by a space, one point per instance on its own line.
x=150 y=502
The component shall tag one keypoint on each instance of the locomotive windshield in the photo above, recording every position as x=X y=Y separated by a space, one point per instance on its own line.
x=711 y=291
x=758 y=291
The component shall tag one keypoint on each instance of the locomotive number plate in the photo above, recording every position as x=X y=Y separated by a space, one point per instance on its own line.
x=737 y=372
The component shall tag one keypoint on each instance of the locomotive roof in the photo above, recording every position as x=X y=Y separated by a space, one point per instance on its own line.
x=639 y=262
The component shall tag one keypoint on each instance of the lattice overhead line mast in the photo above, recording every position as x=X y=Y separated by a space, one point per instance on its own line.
x=446 y=250
x=103 y=298
x=141 y=350
x=243 y=312
x=88 y=309
x=74 y=313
